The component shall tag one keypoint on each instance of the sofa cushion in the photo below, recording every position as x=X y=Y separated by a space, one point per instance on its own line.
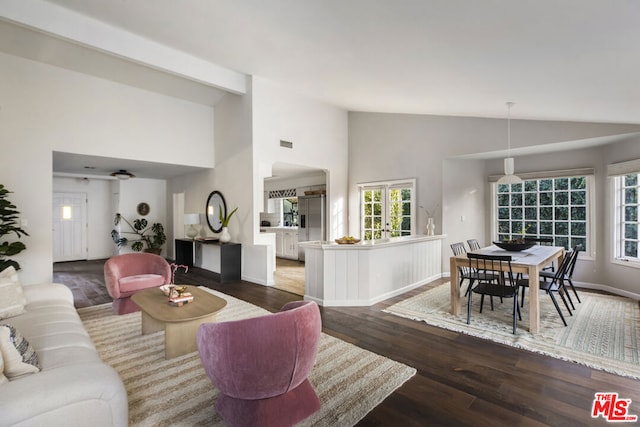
x=12 y=298
x=19 y=356
x=140 y=282
x=3 y=379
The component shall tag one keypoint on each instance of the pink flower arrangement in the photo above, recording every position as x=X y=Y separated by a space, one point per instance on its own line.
x=174 y=267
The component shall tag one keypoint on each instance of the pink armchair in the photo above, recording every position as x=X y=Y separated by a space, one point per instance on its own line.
x=261 y=365
x=127 y=274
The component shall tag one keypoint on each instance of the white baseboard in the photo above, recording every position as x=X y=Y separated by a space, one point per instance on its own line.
x=606 y=288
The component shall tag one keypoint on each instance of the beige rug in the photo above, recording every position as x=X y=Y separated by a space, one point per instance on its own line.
x=349 y=381
x=603 y=332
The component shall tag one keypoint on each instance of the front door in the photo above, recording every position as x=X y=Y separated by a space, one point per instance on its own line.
x=69 y=226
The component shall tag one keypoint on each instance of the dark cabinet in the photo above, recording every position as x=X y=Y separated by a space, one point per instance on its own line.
x=222 y=259
x=184 y=252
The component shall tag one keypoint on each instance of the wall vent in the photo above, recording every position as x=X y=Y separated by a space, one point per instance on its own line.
x=286 y=144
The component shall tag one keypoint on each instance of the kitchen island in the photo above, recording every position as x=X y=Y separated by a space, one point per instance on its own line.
x=368 y=272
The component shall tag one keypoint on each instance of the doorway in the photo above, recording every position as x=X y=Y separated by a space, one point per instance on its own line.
x=69 y=226
x=289 y=276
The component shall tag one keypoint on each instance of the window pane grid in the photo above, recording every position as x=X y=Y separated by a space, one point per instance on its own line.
x=550 y=207
x=372 y=214
x=629 y=191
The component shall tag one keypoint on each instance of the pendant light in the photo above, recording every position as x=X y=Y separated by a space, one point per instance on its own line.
x=509 y=177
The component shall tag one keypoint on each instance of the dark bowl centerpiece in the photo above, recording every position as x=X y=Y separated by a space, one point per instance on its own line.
x=514 y=245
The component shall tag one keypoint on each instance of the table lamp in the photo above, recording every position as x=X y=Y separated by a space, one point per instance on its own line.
x=191 y=220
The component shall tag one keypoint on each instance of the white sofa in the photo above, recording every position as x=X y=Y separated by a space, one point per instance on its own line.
x=74 y=387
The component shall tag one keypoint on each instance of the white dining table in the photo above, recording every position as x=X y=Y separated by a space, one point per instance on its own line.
x=530 y=261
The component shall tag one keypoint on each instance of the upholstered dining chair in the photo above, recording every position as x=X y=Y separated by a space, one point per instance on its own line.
x=506 y=287
x=261 y=365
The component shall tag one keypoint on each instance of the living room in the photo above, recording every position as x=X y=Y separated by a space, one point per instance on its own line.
x=230 y=140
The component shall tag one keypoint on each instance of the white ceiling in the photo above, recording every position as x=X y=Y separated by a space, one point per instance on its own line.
x=557 y=60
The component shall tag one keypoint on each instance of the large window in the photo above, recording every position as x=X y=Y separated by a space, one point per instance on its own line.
x=627 y=188
x=545 y=207
x=387 y=209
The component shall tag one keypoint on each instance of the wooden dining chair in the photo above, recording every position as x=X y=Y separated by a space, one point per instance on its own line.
x=505 y=287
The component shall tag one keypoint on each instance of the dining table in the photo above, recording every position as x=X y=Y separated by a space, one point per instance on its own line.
x=529 y=261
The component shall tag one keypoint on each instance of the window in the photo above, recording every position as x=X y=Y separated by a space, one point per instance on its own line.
x=290 y=211
x=626 y=189
x=546 y=207
x=387 y=209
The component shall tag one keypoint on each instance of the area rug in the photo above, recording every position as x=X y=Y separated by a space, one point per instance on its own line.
x=603 y=332
x=349 y=381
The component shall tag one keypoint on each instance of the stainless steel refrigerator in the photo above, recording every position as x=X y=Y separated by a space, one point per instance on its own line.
x=311 y=220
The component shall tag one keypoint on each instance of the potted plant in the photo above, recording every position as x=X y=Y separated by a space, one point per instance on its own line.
x=8 y=225
x=224 y=221
x=153 y=237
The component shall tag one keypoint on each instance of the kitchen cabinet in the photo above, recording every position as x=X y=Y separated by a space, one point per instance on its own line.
x=290 y=244
x=286 y=242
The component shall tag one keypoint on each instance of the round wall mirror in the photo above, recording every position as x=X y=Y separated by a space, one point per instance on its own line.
x=215 y=204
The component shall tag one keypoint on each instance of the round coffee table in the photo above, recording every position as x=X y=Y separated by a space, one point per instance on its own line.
x=180 y=324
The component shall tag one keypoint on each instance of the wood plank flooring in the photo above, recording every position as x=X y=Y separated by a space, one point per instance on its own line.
x=461 y=380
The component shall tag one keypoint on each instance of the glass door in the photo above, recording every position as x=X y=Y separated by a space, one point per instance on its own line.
x=387 y=210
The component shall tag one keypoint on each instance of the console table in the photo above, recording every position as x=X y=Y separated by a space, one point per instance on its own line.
x=223 y=259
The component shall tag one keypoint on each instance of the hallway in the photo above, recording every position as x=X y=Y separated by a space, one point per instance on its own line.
x=289 y=276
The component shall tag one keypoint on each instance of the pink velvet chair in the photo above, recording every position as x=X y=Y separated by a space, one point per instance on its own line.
x=129 y=273
x=260 y=365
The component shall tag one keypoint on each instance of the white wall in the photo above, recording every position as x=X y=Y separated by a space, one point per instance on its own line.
x=132 y=192
x=396 y=146
x=463 y=203
x=319 y=133
x=45 y=108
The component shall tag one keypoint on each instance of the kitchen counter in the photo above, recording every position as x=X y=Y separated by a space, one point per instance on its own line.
x=276 y=228
x=368 y=272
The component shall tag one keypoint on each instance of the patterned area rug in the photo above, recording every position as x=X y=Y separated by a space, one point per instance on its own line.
x=603 y=332
x=349 y=381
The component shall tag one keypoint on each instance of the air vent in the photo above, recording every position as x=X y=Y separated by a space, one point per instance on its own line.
x=286 y=144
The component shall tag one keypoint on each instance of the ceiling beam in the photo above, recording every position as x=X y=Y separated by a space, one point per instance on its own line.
x=77 y=28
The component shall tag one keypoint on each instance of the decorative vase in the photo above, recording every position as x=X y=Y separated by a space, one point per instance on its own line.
x=225 y=236
x=431 y=227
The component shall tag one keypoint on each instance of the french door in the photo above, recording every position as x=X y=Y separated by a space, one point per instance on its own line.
x=387 y=209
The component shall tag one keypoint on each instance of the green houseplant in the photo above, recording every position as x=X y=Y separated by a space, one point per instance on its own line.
x=224 y=220
x=9 y=225
x=142 y=235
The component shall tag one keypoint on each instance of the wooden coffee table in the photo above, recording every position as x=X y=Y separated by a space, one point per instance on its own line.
x=180 y=324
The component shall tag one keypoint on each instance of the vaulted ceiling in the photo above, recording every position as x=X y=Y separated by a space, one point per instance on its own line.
x=573 y=60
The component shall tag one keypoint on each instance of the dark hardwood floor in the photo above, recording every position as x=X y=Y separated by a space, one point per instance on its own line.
x=461 y=380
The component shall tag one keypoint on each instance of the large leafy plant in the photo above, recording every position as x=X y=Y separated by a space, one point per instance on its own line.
x=8 y=226
x=152 y=237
